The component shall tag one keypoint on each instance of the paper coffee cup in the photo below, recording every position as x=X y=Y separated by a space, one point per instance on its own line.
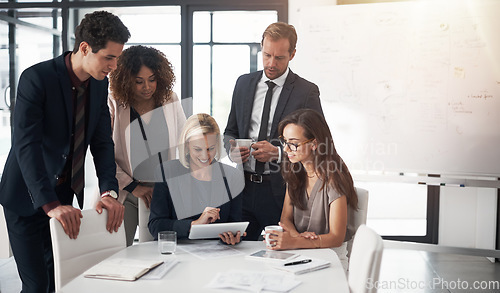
x=244 y=142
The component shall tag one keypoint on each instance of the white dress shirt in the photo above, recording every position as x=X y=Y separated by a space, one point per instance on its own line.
x=258 y=106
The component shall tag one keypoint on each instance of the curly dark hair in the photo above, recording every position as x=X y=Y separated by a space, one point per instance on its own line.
x=122 y=79
x=99 y=27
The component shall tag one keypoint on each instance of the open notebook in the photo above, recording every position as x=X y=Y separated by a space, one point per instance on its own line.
x=121 y=269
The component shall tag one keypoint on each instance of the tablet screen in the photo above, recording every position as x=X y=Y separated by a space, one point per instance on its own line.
x=273 y=255
x=206 y=231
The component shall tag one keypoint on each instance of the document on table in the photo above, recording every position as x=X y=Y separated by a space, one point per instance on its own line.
x=254 y=281
x=121 y=269
x=160 y=271
x=210 y=250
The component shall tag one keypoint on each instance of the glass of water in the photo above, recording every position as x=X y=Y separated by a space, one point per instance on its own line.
x=167 y=242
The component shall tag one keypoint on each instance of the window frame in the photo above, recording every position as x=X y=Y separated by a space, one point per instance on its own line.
x=188 y=7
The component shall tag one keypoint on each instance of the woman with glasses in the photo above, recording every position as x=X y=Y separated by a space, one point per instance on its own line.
x=319 y=187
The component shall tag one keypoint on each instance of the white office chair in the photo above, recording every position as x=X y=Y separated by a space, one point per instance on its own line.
x=93 y=244
x=357 y=218
x=144 y=212
x=364 y=265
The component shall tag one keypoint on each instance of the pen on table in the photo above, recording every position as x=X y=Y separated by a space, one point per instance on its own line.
x=298 y=262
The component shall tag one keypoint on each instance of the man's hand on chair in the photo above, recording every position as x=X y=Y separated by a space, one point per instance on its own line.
x=115 y=212
x=69 y=217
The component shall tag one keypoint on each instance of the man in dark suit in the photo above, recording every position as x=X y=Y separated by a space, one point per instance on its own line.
x=257 y=108
x=61 y=109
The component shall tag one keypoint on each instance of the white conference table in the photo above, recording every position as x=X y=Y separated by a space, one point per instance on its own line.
x=193 y=273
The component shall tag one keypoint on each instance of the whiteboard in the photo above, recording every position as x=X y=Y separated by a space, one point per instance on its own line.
x=408 y=86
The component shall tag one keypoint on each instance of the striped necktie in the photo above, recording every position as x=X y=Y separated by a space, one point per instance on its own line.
x=77 y=170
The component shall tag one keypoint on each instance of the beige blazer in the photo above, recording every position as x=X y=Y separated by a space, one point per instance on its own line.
x=120 y=121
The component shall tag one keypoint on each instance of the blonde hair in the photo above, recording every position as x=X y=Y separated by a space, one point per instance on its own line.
x=197 y=124
x=281 y=30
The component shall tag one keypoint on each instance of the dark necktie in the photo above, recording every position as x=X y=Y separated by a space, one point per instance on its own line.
x=259 y=166
x=77 y=170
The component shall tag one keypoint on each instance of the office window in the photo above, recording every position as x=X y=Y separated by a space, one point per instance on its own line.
x=158 y=27
x=232 y=61
x=156 y=24
x=202 y=79
x=234 y=26
x=41 y=17
x=5 y=94
x=34 y=44
x=225 y=47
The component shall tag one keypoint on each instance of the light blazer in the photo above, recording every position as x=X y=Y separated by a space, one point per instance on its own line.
x=297 y=93
x=120 y=120
x=43 y=121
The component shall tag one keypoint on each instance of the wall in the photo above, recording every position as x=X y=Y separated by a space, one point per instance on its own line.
x=467 y=215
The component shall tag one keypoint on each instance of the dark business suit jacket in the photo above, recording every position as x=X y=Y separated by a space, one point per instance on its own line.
x=297 y=93
x=43 y=121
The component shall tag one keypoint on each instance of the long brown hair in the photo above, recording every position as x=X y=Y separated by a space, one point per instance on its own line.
x=329 y=166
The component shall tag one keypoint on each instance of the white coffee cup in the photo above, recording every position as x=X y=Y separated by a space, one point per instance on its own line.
x=244 y=142
x=267 y=230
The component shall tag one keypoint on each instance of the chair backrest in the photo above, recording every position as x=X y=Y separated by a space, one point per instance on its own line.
x=93 y=244
x=364 y=265
x=357 y=218
x=144 y=234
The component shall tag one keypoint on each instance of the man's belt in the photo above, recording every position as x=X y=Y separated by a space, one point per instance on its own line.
x=256 y=178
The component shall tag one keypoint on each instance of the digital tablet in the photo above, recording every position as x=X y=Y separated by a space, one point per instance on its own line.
x=273 y=255
x=205 y=231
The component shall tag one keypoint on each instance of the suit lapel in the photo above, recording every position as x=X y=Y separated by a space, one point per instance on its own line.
x=66 y=89
x=283 y=100
x=248 y=101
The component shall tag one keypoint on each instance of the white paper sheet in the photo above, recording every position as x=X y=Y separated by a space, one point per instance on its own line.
x=254 y=281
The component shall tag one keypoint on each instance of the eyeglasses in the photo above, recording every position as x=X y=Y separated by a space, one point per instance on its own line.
x=293 y=146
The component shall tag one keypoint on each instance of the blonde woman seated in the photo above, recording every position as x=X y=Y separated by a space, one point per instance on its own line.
x=197 y=189
x=319 y=187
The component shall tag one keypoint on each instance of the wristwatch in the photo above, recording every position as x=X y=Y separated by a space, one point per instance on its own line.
x=110 y=193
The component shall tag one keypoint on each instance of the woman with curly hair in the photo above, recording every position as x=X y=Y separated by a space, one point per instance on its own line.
x=146 y=118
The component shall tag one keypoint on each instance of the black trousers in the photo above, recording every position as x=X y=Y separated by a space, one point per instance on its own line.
x=31 y=245
x=259 y=208
x=32 y=248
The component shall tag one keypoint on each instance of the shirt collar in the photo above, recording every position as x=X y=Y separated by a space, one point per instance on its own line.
x=280 y=81
x=75 y=81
